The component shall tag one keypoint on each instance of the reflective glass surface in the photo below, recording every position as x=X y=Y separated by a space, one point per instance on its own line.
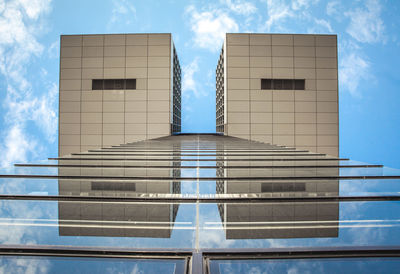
x=42 y=264
x=353 y=265
x=197 y=192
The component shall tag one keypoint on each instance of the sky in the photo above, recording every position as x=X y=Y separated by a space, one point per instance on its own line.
x=368 y=52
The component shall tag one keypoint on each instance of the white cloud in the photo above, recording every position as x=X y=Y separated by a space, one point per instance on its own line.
x=353 y=69
x=321 y=26
x=277 y=11
x=240 y=7
x=332 y=8
x=302 y=4
x=366 y=26
x=123 y=11
x=20 y=26
x=210 y=27
x=189 y=84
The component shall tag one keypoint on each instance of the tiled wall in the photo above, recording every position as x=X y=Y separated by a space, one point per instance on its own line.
x=94 y=118
x=302 y=118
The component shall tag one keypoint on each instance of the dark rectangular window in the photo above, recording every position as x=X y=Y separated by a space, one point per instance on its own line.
x=283 y=187
x=107 y=84
x=299 y=84
x=283 y=84
x=97 y=84
x=113 y=186
x=266 y=83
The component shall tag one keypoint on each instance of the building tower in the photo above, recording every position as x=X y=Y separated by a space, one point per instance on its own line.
x=279 y=89
x=116 y=89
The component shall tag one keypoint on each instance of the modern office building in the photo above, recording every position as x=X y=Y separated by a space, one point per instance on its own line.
x=116 y=89
x=139 y=199
x=279 y=89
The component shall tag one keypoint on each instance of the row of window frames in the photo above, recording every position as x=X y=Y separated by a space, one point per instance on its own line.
x=283 y=84
x=107 y=84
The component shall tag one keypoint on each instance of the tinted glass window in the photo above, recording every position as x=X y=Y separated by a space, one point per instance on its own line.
x=97 y=84
x=108 y=84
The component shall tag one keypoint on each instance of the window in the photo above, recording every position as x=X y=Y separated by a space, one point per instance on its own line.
x=283 y=84
x=107 y=84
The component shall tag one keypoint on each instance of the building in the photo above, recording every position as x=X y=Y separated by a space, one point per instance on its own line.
x=116 y=89
x=197 y=203
x=279 y=89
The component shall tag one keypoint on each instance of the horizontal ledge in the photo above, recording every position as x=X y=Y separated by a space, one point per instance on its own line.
x=199 y=160
x=194 y=167
x=139 y=178
x=252 y=199
x=198 y=155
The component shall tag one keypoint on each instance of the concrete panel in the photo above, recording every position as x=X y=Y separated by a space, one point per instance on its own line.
x=260 y=39
x=90 y=140
x=114 y=40
x=259 y=73
x=261 y=95
x=326 y=51
x=262 y=106
x=69 y=118
x=261 y=117
x=91 y=117
x=238 y=118
x=70 y=73
x=91 y=106
x=327 y=85
x=136 y=118
x=158 y=106
x=93 y=52
x=284 y=140
x=72 y=62
x=109 y=140
x=305 y=106
x=71 y=40
x=286 y=73
x=283 y=107
x=110 y=129
x=282 y=62
x=327 y=140
x=327 y=107
x=158 y=117
x=304 y=62
x=67 y=52
x=237 y=61
x=304 y=51
x=113 y=95
x=158 y=95
x=238 y=95
x=162 y=129
x=160 y=39
x=327 y=129
x=282 y=39
x=135 y=106
x=304 y=40
x=114 y=73
x=70 y=107
x=304 y=73
x=113 y=106
x=260 y=62
x=92 y=62
x=238 y=83
x=238 y=129
x=282 y=51
x=261 y=129
x=238 y=50
x=237 y=39
x=305 y=129
x=136 y=39
x=283 y=95
x=326 y=40
x=304 y=118
x=283 y=118
x=114 y=62
x=327 y=96
x=70 y=129
x=135 y=95
x=93 y=40
x=326 y=73
x=159 y=50
x=91 y=129
x=305 y=95
x=306 y=140
x=158 y=73
x=136 y=73
x=111 y=118
x=136 y=62
x=238 y=106
x=326 y=63
x=138 y=51
x=283 y=129
x=238 y=73
x=70 y=95
x=158 y=61
x=69 y=140
x=135 y=129
x=327 y=118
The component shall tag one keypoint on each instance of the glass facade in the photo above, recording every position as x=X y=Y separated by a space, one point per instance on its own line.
x=199 y=203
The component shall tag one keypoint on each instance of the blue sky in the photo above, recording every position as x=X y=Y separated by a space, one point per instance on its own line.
x=368 y=36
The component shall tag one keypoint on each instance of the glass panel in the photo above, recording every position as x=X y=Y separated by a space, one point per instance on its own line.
x=97 y=84
x=43 y=264
x=342 y=265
